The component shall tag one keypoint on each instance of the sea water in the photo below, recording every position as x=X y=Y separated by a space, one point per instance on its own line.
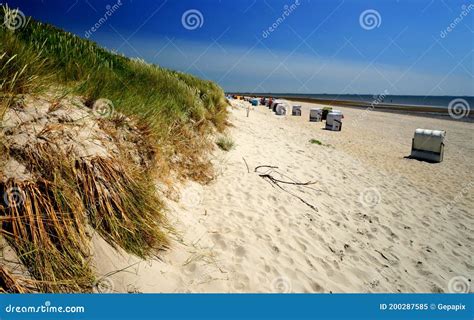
x=422 y=101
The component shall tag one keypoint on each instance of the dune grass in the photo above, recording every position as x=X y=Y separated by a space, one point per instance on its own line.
x=175 y=106
x=175 y=112
x=225 y=143
x=315 y=141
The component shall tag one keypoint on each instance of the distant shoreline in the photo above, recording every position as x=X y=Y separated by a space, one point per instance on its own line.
x=427 y=111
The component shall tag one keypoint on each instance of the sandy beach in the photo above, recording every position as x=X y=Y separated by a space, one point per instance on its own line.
x=373 y=221
x=164 y=159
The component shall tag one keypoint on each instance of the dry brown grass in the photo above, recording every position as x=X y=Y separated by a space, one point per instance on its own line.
x=45 y=220
x=10 y=283
x=175 y=115
x=42 y=224
x=190 y=159
x=121 y=205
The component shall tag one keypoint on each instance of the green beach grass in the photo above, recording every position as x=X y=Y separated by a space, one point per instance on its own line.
x=176 y=114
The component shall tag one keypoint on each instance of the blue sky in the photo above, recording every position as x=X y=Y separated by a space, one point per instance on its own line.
x=318 y=46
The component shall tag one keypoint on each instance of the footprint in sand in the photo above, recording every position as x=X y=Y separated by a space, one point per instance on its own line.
x=241 y=282
x=302 y=246
x=240 y=251
x=218 y=241
x=265 y=237
x=419 y=267
x=316 y=287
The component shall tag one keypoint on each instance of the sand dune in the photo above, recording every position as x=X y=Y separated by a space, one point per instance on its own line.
x=380 y=222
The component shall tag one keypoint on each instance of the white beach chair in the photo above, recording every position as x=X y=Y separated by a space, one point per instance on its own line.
x=428 y=145
x=296 y=111
x=334 y=121
x=275 y=104
x=280 y=109
x=315 y=114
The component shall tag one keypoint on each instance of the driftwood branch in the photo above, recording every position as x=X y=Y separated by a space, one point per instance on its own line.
x=269 y=167
x=247 y=165
x=286 y=182
x=275 y=182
